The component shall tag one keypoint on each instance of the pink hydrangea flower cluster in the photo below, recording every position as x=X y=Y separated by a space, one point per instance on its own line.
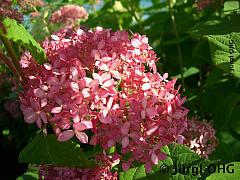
x=6 y=10
x=200 y=137
x=202 y=4
x=98 y=81
x=104 y=171
x=68 y=14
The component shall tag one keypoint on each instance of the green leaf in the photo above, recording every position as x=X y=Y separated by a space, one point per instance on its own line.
x=232 y=172
x=28 y=176
x=225 y=53
x=156 y=172
x=231 y=5
x=18 y=34
x=47 y=150
x=182 y=156
x=225 y=107
x=215 y=27
x=163 y=169
x=188 y=72
x=133 y=173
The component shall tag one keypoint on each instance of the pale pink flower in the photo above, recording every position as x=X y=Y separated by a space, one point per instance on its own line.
x=68 y=14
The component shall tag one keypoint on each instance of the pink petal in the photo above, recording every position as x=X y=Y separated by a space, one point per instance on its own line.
x=115 y=64
x=74 y=86
x=148 y=167
x=125 y=142
x=54 y=37
x=143 y=114
x=144 y=102
x=85 y=92
x=97 y=76
x=105 y=112
x=125 y=128
x=35 y=105
x=43 y=102
x=43 y=116
x=39 y=93
x=79 y=126
x=152 y=130
x=88 y=124
x=125 y=166
x=74 y=73
x=135 y=43
x=109 y=104
x=110 y=143
x=116 y=74
x=108 y=83
x=134 y=135
x=154 y=158
x=82 y=137
x=146 y=86
x=82 y=84
x=56 y=109
x=151 y=112
x=65 y=135
x=106 y=120
x=47 y=66
x=39 y=122
x=29 y=116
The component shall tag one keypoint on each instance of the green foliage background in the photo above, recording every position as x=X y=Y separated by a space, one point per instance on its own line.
x=197 y=51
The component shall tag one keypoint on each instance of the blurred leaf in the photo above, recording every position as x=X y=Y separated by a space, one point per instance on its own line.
x=223 y=111
x=231 y=5
x=224 y=152
x=18 y=34
x=175 y=41
x=188 y=72
x=47 y=150
x=232 y=172
x=215 y=27
x=28 y=176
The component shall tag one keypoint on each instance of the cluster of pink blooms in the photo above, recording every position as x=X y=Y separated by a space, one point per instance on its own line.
x=6 y=10
x=98 y=81
x=200 y=137
x=10 y=105
x=202 y=4
x=104 y=171
x=13 y=107
x=28 y=4
x=68 y=14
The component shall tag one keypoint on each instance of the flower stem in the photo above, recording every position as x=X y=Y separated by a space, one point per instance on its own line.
x=9 y=63
x=15 y=60
x=178 y=45
x=134 y=13
x=43 y=20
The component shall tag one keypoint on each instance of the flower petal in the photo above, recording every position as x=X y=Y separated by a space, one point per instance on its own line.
x=65 y=135
x=56 y=109
x=125 y=142
x=82 y=137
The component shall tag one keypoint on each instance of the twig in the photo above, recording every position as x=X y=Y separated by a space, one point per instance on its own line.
x=15 y=60
x=133 y=12
x=178 y=45
x=43 y=20
x=8 y=61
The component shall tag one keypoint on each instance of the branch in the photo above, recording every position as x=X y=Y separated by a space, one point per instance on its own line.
x=8 y=61
x=178 y=45
x=15 y=60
